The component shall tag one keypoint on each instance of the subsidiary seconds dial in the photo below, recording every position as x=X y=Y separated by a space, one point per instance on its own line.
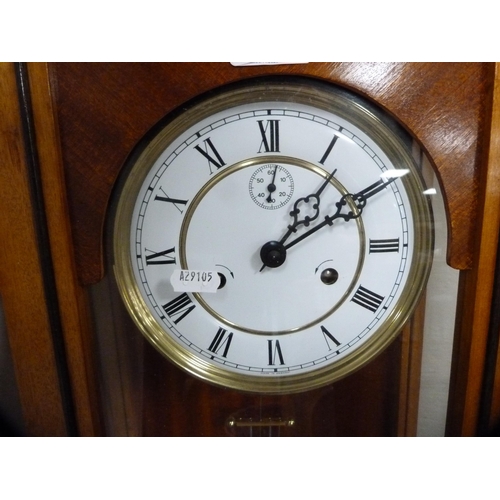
x=271 y=186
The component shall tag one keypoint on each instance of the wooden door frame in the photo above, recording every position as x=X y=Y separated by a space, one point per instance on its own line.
x=46 y=311
x=24 y=284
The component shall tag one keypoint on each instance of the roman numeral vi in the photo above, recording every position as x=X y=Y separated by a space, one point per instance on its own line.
x=274 y=351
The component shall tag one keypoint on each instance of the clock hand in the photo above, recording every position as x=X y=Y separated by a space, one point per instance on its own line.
x=273 y=253
x=306 y=199
x=272 y=250
x=359 y=199
x=272 y=187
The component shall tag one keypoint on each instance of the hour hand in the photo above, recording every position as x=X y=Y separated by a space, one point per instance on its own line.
x=273 y=253
x=313 y=198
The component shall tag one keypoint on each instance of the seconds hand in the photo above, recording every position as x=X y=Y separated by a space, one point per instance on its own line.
x=272 y=187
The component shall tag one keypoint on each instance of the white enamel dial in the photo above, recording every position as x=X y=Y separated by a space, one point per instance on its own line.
x=308 y=209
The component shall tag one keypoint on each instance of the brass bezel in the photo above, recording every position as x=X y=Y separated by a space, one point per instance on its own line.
x=323 y=97
x=251 y=163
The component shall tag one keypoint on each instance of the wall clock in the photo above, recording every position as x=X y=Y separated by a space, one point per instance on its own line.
x=274 y=237
x=82 y=130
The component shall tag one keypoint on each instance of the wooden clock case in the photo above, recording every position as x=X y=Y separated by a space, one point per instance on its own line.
x=68 y=128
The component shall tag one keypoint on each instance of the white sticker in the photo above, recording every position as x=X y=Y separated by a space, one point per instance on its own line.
x=189 y=280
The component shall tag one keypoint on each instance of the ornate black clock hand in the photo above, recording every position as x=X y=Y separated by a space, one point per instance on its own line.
x=359 y=199
x=306 y=199
x=270 y=253
x=273 y=253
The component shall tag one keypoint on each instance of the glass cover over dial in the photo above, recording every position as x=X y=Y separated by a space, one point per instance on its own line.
x=274 y=237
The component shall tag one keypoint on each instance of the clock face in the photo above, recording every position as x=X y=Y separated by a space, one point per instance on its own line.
x=273 y=238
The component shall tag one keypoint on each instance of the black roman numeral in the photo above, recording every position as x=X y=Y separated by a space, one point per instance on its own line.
x=367 y=299
x=159 y=258
x=270 y=136
x=274 y=350
x=213 y=156
x=383 y=246
x=174 y=201
x=327 y=335
x=179 y=307
x=329 y=149
x=221 y=340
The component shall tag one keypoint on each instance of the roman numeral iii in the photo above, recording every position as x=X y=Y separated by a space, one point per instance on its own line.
x=384 y=246
x=367 y=299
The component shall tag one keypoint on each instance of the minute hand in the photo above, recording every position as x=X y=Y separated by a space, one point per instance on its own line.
x=359 y=199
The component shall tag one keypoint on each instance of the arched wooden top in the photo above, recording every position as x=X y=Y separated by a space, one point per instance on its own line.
x=104 y=109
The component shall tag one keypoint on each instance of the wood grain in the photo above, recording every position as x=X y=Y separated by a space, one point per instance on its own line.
x=105 y=109
x=475 y=301
x=90 y=118
x=364 y=404
x=72 y=298
x=21 y=284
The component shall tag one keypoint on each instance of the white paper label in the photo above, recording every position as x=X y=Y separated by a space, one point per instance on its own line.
x=189 y=280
